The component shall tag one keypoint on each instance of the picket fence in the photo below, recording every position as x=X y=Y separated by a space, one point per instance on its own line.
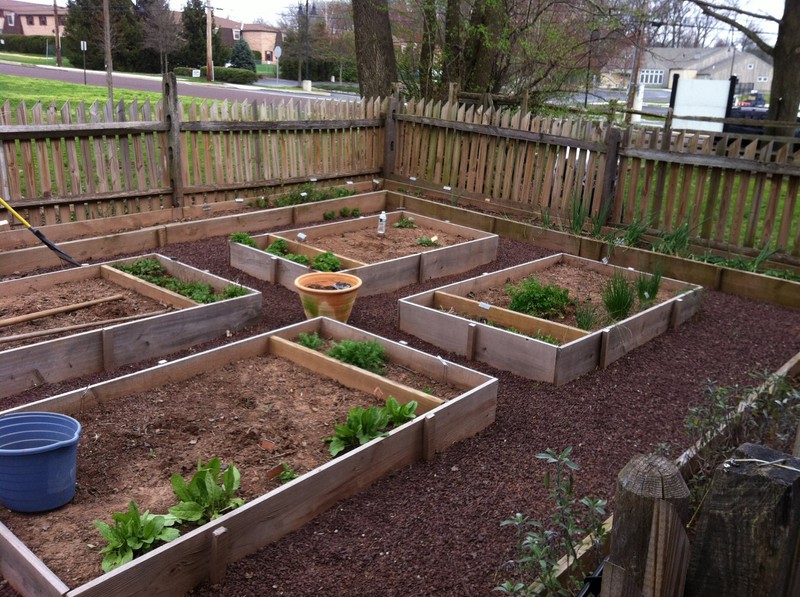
x=68 y=163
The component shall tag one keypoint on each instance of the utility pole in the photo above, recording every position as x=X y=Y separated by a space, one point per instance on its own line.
x=209 y=57
x=107 y=40
x=58 y=35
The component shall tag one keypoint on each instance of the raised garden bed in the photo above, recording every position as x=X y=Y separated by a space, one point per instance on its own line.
x=450 y=318
x=138 y=437
x=383 y=262
x=162 y=321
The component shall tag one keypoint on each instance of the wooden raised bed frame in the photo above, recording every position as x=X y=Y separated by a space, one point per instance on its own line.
x=204 y=553
x=107 y=348
x=383 y=276
x=421 y=316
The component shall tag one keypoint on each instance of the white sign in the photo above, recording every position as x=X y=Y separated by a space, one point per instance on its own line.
x=278 y=51
x=700 y=97
x=83 y=46
x=196 y=73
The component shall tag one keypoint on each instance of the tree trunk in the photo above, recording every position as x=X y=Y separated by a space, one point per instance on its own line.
x=452 y=52
x=785 y=91
x=375 y=61
x=428 y=50
x=483 y=48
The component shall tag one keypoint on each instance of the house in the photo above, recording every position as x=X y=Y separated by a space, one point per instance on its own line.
x=259 y=37
x=27 y=18
x=659 y=65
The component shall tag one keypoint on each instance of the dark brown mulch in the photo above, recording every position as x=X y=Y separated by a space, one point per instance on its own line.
x=434 y=528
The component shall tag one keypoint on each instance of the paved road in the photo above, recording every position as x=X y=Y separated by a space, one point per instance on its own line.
x=153 y=83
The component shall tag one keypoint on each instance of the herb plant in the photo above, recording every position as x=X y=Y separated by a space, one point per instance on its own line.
x=618 y=297
x=278 y=247
x=206 y=497
x=326 y=262
x=355 y=212
x=405 y=222
x=366 y=354
x=675 y=242
x=243 y=239
x=345 y=212
x=362 y=426
x=647 y=286
x=133 y=534
x=400 y=414
x=586 y=316
x=578 y=214
x=427 y=242
x=533 y=298
x=329 y=215
x=312 y=341
x=287 y=474
x=301 y=259
x=152 y=271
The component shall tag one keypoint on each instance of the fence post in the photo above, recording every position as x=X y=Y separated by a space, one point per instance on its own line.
x=390 y=133
x=644 y=481
x=748 y=528
x=170 y=91
x=612 y=142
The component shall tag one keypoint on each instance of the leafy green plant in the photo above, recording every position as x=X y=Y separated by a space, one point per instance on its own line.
x=133 y=534
x=243 y=239
x=633 y=233
x=618 y=296
x=345 y=212
x=405 y=222
x=586 y=315
x=329 y=215
x=326 y=262
x=427 y=242
x=301 y=259
x=287 y=474
x=539 y=547
x=355 y=212
x=312 y=341
x=152 y=271
x=206 y=496
x=400 y=414
x=362 y=426
x=647 y=286
x=278 y=247
x=675 y=242
x=366 y=354
x=234 y=290
x=533 y=298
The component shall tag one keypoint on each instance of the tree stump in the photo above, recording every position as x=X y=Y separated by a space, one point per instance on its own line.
x=643 y=481
x=748 y=531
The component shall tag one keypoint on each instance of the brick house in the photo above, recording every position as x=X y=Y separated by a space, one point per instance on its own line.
x=259 y=37
x=27 y=18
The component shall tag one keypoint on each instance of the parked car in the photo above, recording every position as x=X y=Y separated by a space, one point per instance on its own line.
x=754 y=99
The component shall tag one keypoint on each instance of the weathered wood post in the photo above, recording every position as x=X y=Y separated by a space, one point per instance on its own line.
x=748 y=531
x=611 y=171
x=648 y=485
x=390 y=133
x=169 y=88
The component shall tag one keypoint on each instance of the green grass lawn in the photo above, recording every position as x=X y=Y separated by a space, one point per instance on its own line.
x=17 y=89
x=32 y=59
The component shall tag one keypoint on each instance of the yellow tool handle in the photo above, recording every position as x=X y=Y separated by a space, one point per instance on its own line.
x=15 y=214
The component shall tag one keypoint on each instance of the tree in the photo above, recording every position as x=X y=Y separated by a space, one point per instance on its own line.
x=375 y=59
x=193 y=23
x=242 y=56
x=162 y=32
x=84 y=22
x=785 y=88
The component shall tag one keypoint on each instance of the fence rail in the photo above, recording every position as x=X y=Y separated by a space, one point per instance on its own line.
x=82 y=162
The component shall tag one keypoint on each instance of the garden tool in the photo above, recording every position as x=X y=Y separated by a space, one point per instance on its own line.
x=39 y=234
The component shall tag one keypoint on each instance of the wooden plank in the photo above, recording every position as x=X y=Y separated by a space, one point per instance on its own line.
x=524 y=324
x=759 y=287
x=350 y=376
x=26 y=573
x=667 y=554
x=737 y=218
x=790 y=201
x=144 y=288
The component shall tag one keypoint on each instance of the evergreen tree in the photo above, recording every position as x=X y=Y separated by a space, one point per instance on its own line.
x=194 y=32
x=242 y=56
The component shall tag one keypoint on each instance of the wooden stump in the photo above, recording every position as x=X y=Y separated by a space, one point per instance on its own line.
x=747 y=533
x=644 y=480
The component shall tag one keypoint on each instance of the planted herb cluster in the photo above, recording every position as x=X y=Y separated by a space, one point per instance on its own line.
x=365 y=424
x=208 y=495
x=324 y=262
x=152 y=271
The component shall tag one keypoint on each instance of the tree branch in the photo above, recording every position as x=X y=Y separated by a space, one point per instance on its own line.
x=712 y=10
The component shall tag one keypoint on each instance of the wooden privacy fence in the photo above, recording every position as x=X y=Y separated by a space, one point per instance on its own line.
x=82 y=162
x=731 y=190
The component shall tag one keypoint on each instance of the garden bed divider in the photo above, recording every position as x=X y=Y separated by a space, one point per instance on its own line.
x=107 y=348
x=204 y=553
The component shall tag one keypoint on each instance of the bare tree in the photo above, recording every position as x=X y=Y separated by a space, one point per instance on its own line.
x=377 y=68
x=162 y=30
x=785 y=88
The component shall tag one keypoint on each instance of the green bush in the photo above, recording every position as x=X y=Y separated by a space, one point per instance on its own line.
x=29 y=44
x=533 y=298
x=243 y=239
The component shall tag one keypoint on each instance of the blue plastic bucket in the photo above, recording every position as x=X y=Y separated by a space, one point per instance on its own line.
x=38 y=460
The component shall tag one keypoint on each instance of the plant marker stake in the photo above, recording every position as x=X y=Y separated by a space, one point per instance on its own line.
x=61 y=254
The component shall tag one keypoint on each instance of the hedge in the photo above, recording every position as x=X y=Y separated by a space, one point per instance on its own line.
x=28 y=44
x=225 y=75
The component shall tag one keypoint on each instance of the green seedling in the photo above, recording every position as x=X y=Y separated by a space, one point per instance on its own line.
x=362 y=426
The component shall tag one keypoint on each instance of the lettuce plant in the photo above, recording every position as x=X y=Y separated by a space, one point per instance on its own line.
x=204 y=498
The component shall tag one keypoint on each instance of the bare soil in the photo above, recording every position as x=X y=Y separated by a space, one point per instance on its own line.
x=434 y=527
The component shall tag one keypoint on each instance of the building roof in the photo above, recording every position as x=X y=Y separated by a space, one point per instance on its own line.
x=28 y=8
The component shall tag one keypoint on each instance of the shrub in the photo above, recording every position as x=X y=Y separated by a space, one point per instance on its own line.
x=278 y=247
x=531 y=297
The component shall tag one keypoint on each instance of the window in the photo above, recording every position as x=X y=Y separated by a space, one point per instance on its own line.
x=43 y=20
x=750 y=66
x=236 y=34
x=29 y=19
x=61 y=19
x=651 y=76
x=10 y=19
x=269 y=56
x=762 y=78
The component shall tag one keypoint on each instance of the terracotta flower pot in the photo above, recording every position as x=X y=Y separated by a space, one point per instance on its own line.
x=328 y=294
